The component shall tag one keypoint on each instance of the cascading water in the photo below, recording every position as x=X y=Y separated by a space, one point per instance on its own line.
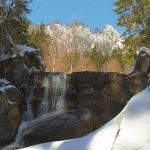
x=28 y=114
x=54 y=99
x=55 y=93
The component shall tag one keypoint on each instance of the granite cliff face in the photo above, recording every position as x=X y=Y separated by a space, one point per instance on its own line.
x=81 y=100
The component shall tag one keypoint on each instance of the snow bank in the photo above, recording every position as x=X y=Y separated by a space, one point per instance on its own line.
x=133 y=123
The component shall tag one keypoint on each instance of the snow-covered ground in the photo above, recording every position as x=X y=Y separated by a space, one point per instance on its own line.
x=130 y=130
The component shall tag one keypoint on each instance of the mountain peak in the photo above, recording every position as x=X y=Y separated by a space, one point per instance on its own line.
x=84 y=38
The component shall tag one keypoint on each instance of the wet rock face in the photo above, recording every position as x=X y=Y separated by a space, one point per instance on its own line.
x=104 y=94
x=9 y=119
x=84 y=85
x=72 y=124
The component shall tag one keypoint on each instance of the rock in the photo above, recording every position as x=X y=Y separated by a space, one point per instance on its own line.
x=105 y=94
x=73 y=124
x=18 y=68
x=9 y=119
x=142 y=62
x=85 y=84
x=109 y=102
x=16 y=96
x=14 y=71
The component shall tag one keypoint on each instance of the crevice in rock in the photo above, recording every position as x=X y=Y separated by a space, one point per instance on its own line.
x=117 y=134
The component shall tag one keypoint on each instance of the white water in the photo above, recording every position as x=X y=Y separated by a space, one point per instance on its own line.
x=55 y=93
x=28 y=114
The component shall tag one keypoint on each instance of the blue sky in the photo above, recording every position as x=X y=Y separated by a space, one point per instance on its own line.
x=94 y=13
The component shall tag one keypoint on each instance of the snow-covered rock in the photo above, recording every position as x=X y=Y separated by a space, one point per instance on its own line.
x=10 y=109
x=142 y=62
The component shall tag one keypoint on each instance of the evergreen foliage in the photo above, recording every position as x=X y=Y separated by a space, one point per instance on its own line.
x=132 y=15
x=146 y=31
x=13 y=22
x=41 y=39
x=97 y=57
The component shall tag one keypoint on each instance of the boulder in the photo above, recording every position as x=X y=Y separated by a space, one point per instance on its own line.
x=16 y=96
x=9 y=119
x=142 y=62
x=72 y=124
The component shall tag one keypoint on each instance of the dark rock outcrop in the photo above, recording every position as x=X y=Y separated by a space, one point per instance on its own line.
x=9 y=119
x=142 y=63
x=108 y=103
x=73 y=124
x=17 y=69
x=104 y=94
x=85 y=84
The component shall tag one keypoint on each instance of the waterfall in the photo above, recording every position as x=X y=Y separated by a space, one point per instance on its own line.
x=28 y=114
x=53 y=102
x=55 y=93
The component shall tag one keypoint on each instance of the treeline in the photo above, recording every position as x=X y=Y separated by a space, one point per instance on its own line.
x=67 y=57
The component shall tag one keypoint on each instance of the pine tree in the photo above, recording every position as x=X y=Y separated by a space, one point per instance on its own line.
x=97 y=57
x=132 y=15
x=146 y=32
x=41 y=39
x=13 y=22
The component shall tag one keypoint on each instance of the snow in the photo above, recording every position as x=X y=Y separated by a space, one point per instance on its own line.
x=146 y=50
x=4 y=84
x=21 y=48
x=131 y=69
x=133 y=123
x=143 y=55
x=3 y=88
x=10 y=102
x=4 y=56
x=4 y=81
x=87 y=38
